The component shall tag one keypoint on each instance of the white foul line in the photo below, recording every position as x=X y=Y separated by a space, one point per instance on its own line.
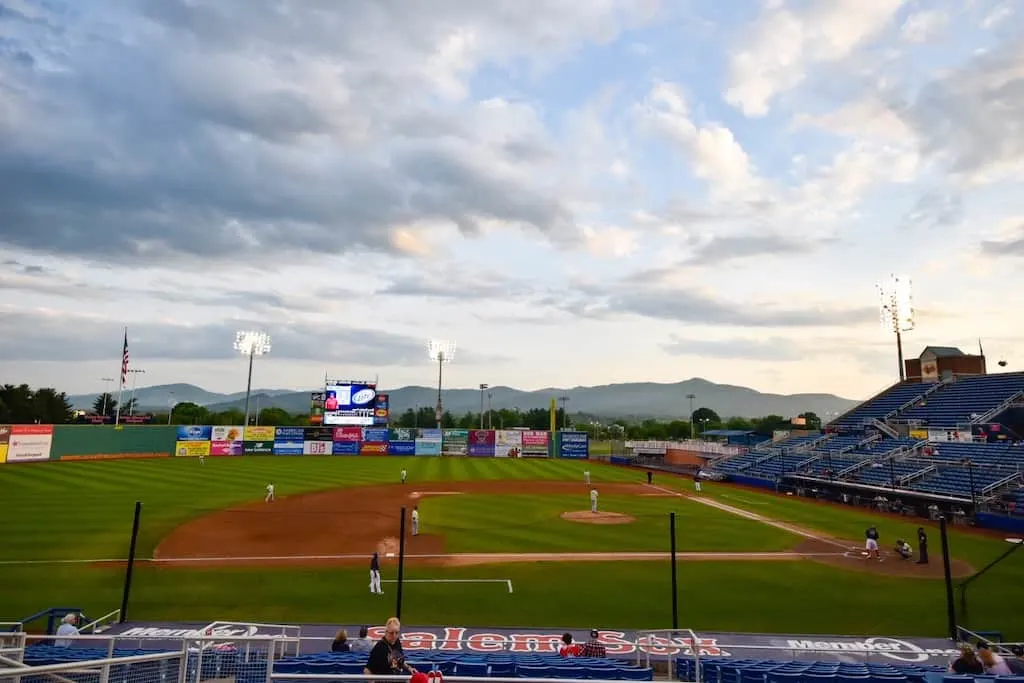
x=507 y=582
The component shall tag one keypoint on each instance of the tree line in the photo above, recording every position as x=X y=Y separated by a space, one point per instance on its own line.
x=22 y=405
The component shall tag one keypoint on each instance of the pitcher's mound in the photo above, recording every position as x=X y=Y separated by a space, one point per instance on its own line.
x=588 y=517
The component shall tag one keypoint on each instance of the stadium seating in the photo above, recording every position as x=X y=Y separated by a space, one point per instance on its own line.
x=881 y=473
x=836 y=463
x=882 y=405
x=734 y=670
x=840 y=444
x=883 y=447
x=994 y=455
x=955 y=480
x=738 y=463
x=779 y=465
x=957 y=403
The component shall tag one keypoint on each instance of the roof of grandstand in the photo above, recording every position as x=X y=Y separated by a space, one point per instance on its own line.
x=726 y=432
x=943 y=351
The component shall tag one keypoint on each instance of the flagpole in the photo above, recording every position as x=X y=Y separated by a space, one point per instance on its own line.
x=120 y=391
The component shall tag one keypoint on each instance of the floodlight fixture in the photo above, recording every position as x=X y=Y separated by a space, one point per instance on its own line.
x=251 y=343
x=440 y=351
x=896 y=311
x=483 y=388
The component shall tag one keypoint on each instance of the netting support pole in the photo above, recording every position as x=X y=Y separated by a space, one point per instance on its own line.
x=675 y=592
x=131 y=563
x=948 y=574
x=401 y=566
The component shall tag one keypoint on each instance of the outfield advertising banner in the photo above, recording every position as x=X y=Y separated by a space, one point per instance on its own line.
x=192 y=449
x=455 y=442
x=258 y=434
x=535 y=444
x=350 y=434
x=29 y=443
x=375 y=435
x=226 y=447
x=257 y=447
x=508 y=443
x=428 y=447
x=382 y=409
x=289 y=447
x=368 y=448
x=194 y=432
x=318 y=434
x=5 y=441
x=221 y=433
x=481 y=443
x=317 y=447
x=289 y=434
x=575 y=445
x=405 y=447
x=430 y=433
x=345 y=448
x=401 y=434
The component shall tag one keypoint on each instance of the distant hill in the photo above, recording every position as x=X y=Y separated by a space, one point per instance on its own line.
x=636 y=400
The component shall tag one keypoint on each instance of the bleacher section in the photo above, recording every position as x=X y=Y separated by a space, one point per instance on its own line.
x=885 y=403
x=735 y=670
x=996 y=455
x=779 y=465
x=738 y=463
x=955 y=480
x=956 y=403
x=838 y=444
x=881 y=473
x=882 y=447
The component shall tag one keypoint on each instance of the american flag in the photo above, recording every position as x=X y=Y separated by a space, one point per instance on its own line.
x=124 y=360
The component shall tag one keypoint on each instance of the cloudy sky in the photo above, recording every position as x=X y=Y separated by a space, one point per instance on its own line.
x=577 y=192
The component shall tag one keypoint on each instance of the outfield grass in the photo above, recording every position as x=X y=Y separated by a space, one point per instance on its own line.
x=83 y=510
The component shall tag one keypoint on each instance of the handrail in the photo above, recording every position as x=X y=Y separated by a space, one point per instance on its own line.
x=998 y=409
x=93 y=624
x=86 y=666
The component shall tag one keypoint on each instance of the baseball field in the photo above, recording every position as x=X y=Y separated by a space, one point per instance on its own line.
x=502 y=543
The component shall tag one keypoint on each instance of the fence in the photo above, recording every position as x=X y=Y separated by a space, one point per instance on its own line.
x=157 y=667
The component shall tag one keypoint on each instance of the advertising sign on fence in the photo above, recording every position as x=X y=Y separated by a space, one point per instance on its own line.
x=508 y=443
x=431 y=434
x=289 y=434
x=288 y=447
x=428 y=447
x=192 y=449
x=481 y=442
x=405 y=447
x=401 y=434
x=535 y=444
x=367 y=448
x=257 y=447
x=348 y=434
x=194 y=432
x=919 y=434
x=5 y=440
x=575 y=445
x=258 y=434
x=455 y=442
x=221 y=433
x=382 y=409
x=29 y=443
x=375 y=435
x=226 y=447
x=318 y=434
x=345 y=448
x=317 y=447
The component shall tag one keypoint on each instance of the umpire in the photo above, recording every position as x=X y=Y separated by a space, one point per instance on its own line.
x=922 y=546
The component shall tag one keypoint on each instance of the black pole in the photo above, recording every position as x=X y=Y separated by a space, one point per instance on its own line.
x=401 y=565
x=899 y=350
x=970 y=476
x=950 y=605
x=675 y=595
x=892 y=472
x=131 y=563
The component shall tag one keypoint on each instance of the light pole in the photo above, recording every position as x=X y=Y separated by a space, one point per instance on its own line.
x=691 y=397
x=896 y=309
x=483 y=388
x=441 y=351
x=490 y=420
x=171 y=403
x=134 y=372
x=251 y=344
x=106 y=380
x=565 y=413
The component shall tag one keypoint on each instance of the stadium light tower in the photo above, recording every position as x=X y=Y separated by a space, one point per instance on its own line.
x=691 y=397
x=441 y=351
x=896 y=310
x=483 y=388
x=251 y=344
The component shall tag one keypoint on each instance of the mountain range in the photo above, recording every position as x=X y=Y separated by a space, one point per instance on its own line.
x=632 y=400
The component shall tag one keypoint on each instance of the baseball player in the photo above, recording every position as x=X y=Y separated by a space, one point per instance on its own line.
x=416 y=521
x=202 y=459
x=586 y=477
x=269 y=498
x=404 y=475
x=696 y=482
x=871 y=543
x=375 y=575
x=593 y=500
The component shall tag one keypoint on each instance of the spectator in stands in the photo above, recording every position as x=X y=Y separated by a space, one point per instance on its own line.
x=1016 y=662
x=967 y=663
x=362 y=643
x=387 y=657
x=67 y=628
x=569 y=648
x=903 y=549
x=593 y=647
x=922 y=546
x=340 y=643
x=993 y=663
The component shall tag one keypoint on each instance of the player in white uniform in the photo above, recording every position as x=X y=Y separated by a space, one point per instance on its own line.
x=269 y=498
x=593 y=500
x=586 y=477
x=416 y=521
x=404 y=475
x=375 y=575
x=202 y=459
x=696 y=482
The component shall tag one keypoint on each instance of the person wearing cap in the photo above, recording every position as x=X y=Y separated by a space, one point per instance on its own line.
x=375 y=575
x=67 y=628
x=922 y=546
x=387 y=657
x=593 y=647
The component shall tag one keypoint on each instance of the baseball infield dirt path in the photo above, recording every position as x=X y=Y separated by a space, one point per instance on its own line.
x=343 y=526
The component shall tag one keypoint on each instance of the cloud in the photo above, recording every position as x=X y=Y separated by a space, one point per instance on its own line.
x=773 y=349
x=1011 y=246
x=921 y=27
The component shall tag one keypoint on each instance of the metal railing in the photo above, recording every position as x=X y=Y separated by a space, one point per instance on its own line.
x=100 y=668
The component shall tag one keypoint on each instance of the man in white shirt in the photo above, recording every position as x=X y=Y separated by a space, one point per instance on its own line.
x=67 y=628
x=593 y=500
x=404 y=475
x=270 y=494
x=416 y=521
x=586 y=477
